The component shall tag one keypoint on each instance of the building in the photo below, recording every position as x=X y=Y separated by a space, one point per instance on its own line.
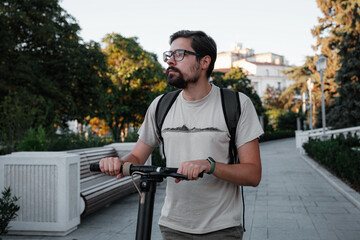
x=264 y=70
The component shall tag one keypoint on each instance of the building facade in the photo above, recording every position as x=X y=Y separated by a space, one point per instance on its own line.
x=264 y=70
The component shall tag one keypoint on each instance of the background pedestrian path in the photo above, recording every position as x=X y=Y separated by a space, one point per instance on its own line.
x=296 y=199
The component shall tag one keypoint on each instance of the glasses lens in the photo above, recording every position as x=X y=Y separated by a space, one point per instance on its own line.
x=179 y=54
x=167 y=56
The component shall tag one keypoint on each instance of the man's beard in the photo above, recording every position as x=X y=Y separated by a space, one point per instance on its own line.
x=179 y=81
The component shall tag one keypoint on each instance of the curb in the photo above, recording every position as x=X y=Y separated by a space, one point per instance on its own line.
x=349 y=193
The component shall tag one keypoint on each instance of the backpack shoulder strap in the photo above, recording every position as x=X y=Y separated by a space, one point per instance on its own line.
x=162 y=108
x=232 y=110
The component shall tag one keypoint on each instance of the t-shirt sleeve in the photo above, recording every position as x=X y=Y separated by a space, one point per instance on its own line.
x=147 y=132
x=249 y=126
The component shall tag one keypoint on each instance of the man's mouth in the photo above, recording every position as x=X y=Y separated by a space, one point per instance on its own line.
x=171 y=70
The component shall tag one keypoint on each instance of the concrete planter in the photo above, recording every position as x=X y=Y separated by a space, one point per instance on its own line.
x=48 y=185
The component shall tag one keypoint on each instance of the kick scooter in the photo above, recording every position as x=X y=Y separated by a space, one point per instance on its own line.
x=150 y=176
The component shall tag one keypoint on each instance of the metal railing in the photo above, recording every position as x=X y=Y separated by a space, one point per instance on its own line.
x=303 y=136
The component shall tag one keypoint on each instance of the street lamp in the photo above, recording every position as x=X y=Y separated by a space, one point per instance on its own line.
x=310 y=86
x=320 y=67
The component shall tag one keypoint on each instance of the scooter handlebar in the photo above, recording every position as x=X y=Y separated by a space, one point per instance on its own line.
x=127 y=169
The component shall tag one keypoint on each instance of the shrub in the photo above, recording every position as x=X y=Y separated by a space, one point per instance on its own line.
x=37 y=140
x=71 y=141
x=157 y=159
x=8 y=209
x=338 y=156
x=267 y=136
x=132 y=136
x=273 y=116
x=34 y=140
x=287 y=121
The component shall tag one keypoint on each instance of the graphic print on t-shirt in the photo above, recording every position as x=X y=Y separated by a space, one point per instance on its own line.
x=185 y=129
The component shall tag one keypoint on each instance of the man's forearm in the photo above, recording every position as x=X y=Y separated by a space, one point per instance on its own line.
x=244 y=174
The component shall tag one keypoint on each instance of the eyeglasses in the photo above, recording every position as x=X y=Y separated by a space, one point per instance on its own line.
x=178 y=54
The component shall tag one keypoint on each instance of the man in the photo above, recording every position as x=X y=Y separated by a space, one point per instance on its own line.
x=194 y=130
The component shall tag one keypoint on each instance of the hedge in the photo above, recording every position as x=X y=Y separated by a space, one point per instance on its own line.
x=339 y=156
x=267 y=136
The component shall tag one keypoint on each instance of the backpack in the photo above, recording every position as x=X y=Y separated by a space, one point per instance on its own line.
x=232 y=110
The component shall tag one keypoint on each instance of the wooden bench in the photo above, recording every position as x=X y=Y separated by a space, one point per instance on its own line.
x=97 y=189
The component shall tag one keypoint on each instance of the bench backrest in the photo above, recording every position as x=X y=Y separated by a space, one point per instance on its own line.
x=92 y=155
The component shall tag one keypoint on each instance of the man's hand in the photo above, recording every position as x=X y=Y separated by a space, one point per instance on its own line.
x=192 y=169
x=111 y=166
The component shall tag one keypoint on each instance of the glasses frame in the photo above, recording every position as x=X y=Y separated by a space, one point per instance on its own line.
x=168 y=54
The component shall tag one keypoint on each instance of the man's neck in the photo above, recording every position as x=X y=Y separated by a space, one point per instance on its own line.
x=196 y=91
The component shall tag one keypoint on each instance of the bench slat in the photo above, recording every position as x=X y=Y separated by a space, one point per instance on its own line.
x=97 y=189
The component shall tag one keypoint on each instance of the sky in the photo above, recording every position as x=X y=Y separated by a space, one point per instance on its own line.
x=279 y=26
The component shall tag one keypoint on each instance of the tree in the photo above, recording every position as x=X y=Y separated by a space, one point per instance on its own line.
x=137 y=78
x=300 y=74
x=342 y=21
x=237 y=80
x=18 y=113
x=271 y=98
x=43 y=58
x=337 y=35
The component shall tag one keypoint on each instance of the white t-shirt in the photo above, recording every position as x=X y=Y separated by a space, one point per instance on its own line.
x=195 y=130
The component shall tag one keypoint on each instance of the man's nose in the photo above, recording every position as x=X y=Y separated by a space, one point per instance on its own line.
x=171 y=60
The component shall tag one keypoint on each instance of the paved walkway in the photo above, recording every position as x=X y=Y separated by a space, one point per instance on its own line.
x=296 y=199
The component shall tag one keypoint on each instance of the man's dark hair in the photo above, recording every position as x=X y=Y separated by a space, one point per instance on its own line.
x=201 y=43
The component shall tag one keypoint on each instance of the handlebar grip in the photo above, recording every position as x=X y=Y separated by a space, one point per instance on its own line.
x=95 y=167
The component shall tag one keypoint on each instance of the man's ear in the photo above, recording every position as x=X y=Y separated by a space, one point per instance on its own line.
x=205 y=62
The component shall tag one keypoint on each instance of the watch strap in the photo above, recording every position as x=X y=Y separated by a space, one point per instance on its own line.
x=212 y=165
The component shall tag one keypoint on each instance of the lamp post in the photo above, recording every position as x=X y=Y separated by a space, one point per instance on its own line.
x=320 y=67
x=310 y=86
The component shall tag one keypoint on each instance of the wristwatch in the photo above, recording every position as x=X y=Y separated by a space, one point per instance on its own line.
x=212 y=164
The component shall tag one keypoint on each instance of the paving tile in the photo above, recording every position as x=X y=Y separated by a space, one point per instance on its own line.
x=256 y=234
x=348 y=235
x=292 y=202
x=293 y=234
x=328 y=235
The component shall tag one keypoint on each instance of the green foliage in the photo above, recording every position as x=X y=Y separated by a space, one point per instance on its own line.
x=346 y=106
x=157 y=159
x=237 y=80
x=337 y=155
x=8 y=209
x=19 y=112
x=72 y=141
x=300 y=75
x=132 y=136
x=47 y=74
x=34 y=140
x=39 y=141
x=137 y=78
x=341 y=23
x=287 y=121
x=271 y=98
x=337 y=35
x=268 y=136
x=273 y=116
x=281 y=120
